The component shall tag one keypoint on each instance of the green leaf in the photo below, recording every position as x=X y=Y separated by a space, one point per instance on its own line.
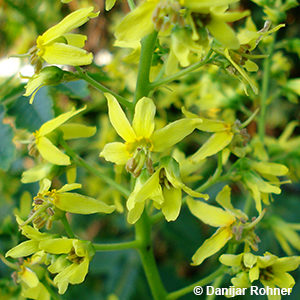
x=75 y=89
x=7 y=148
x=32 y=116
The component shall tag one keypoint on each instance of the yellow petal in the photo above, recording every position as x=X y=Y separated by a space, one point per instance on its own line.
x=63 y=54
x=119 y=120
x=212 y=245
x=51 y=125
x=128 y=30
x=173 y=133
x=79 y=204
x=116 y=152
x=249 y=260
x=75 y=131
x=109 y=4
x=135 y=212
x=75 y=39
x=270 y=168
x=211 y=215
x=143 y=121
x=223 y=33
x=70 y=22
x=24 y=249
x=254 y=273
x=56 y=246
x=29 y=277
x=231 y=260
x=213 y=145
x=224 y=199
x=69 y=187
x=78 y=275
x=36 y=173
x=172 y=203
x=51 y=153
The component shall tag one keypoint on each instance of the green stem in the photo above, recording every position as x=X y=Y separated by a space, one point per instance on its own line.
x=182 y=72
x=217 y=283
x=116 y=246
x=265 y=90
x=8 y=263
x=202 y=282
x=53 y=294
x=131 y=4
x=102 y=88
x=67 y=226
x=81 y=162
x=143 y=237
x=142 y=83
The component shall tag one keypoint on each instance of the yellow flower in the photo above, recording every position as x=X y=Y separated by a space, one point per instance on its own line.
x=231 y=223
x=43 y=136
x=47 y=76
x=141 y=139
x=260 y=188
x=269 y=269
x=72 y=268
x=47 y=201
x=58 y=46
x=164 y=187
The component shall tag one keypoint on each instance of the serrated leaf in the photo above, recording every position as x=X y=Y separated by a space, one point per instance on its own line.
x=32 y=116
x=7 y=148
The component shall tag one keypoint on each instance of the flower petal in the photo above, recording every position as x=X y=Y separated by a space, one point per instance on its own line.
x=63 y=54
x=51 y=153
x=211 y=215
x=128 y=30
x=172 y=203
x=51 y=125
x=231 y=260
x=119 y=120
x=116 y=152
x=75 y=131
x=173 y=133
x=143 y=121
x=29 y=277
x=213 y=145
x=135 y=212
x=79 y=204
x=70 y=22
x=24 y=249
x=69 y=187
x=75 y=39
x=212 y=245
x=56 y=246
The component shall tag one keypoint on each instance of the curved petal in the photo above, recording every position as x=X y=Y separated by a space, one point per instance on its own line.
x=213 y=145
x=173 y=133
x=69 y=187
x=75 y=39
x=51 y=153
x=115 y=152
x=80 y=272
x=128 y=30
x=63 y=54
x=24 y=249
x=172 y=203
x=212 y=245
x=118 y=119
x=51 y=125
x=79 y=204
x=56 y=246
x=75 y=131
x=29 y=277
x=223 y=33
x=135 y=212
x=143 y=121
x=70 y=22
x=211 y=215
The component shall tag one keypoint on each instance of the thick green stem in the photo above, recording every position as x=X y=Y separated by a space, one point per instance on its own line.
x=102 y=88
x=265 y=90
x=202 y=282
x=67 y=226
x=116 y=246
x=182 y=72
x=143 y=237
x=142 y=83
x=131 y=4
x=79 y=161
